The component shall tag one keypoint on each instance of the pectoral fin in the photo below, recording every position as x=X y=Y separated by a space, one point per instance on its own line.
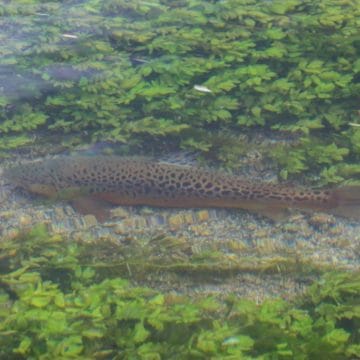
x=88 y=205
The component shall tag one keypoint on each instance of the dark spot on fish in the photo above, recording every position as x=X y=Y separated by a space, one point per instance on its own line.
x=276 y=197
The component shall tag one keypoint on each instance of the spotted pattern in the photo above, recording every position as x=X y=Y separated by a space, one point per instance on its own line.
x=141 y=179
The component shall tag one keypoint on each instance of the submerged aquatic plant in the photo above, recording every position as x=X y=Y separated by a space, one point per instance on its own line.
x=54 y=305
x=131 y=76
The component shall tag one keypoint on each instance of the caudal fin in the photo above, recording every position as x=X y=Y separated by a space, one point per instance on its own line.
x=347 y=201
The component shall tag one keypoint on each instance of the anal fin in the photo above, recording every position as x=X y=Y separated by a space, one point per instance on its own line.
x=275 y=214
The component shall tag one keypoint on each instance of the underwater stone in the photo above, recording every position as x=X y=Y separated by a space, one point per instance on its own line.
x=120 y=212
x=175 y=221
x=203 y=215
x=25 y=220
x=90 y=220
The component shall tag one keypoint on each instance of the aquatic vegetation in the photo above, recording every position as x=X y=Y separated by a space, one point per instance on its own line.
x=287 y=67
x=126 y=71
x=52 y=304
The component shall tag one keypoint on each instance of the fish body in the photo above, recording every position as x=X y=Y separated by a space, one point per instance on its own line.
x=139 y=181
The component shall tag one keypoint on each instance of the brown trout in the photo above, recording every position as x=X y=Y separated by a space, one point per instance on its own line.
x=88 y=181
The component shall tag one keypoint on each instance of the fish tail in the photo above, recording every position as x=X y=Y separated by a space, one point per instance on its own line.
x=346 y=202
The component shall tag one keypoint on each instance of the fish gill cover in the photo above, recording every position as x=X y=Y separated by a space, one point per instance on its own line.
x=187 y=73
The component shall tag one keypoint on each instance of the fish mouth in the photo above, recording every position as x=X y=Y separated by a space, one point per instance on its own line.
x=9 y=181
x=7 y=189
x=6 y=179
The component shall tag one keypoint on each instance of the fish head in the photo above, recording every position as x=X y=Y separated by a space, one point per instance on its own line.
x=47 y=178
x=32 y=177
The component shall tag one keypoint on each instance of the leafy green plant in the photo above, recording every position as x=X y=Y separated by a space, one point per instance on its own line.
x=130 y=77
x=54 y=305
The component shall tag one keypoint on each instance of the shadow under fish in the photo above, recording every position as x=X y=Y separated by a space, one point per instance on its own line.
x=93 y=183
